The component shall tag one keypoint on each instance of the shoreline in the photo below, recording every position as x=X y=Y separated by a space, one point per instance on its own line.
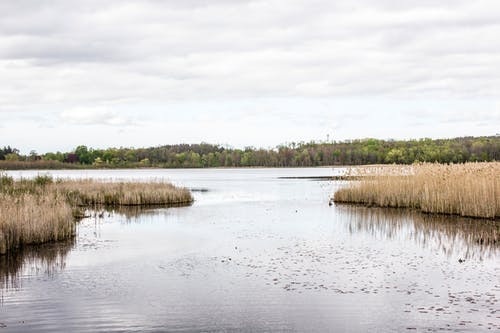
x=67 y=166
x=416 y=210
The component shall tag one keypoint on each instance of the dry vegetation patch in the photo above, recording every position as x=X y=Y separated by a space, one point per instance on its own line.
x=40 y=210
x=93 y=193
x=470 y=189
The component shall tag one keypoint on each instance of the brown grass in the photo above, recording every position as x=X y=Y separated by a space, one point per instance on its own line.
x=33 y=219
x=471 y=189
x=93 y=193
x=41 y=164
x=43 y=210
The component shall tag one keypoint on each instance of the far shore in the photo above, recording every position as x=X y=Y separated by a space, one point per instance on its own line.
x=41 y=165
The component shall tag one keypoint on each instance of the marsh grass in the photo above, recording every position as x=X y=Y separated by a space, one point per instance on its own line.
x=87 y=192
x=33 y=219
x=40 y=210
x=471 y=189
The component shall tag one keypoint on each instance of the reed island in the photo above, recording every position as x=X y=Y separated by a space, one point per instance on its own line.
x=43 y=209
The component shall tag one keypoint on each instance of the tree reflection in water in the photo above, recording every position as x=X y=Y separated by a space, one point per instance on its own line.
x=453 y=235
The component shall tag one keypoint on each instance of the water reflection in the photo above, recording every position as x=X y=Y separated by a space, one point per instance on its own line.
x=33 y=260
x=129 y=212
x=453 y=235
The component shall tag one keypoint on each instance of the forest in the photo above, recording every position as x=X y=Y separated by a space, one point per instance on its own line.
x=203 y=155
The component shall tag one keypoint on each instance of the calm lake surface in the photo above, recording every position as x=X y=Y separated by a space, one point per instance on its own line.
x=256 y=253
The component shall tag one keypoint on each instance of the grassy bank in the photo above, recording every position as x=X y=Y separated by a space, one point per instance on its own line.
x=42 y=209
x=470 y=189
x=57 y=165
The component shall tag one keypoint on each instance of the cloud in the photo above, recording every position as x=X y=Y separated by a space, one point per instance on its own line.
x=483 y=117
x=94 y=116
x=165 y=50
x=121 y=57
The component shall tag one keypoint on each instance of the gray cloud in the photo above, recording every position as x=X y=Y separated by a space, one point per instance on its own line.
x=67 y=58
x=253 y=48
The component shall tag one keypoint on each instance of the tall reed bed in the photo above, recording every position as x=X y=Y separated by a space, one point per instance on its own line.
x=39 y=210
x=471 y=189
x=33 y=219
x=93 y=193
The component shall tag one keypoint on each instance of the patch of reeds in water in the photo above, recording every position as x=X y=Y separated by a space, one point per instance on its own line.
x=40 y=210
x=32 y=219
x=471 y=189
x=93 y=193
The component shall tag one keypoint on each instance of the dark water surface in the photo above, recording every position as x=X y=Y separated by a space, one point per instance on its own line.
x=256 y=253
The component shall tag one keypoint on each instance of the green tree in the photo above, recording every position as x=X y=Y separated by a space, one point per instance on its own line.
x=395 y=155
x=84 y=155
x=12 y=157
x=98 y=161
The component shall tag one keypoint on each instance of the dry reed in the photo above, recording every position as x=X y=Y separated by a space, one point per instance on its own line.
x=42 y=210
x=471 y=189
x=93 y=193
x=33 y=219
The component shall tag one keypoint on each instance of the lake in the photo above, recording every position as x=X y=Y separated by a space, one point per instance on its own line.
x=255 y=253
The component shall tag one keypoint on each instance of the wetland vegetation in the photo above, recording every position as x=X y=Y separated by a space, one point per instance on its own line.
x=470 y=189
x=40 y=210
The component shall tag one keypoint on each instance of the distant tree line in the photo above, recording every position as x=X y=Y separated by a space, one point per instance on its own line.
x=351 y=152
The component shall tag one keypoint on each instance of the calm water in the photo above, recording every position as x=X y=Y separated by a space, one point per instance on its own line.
x=256 y=253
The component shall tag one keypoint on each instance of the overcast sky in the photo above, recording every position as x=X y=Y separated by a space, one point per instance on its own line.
x=242 y=72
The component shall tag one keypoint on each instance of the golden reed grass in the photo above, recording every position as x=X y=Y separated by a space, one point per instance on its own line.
x=43 y=210
x=93 y=193
x=471 y=189
x=32 y=219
